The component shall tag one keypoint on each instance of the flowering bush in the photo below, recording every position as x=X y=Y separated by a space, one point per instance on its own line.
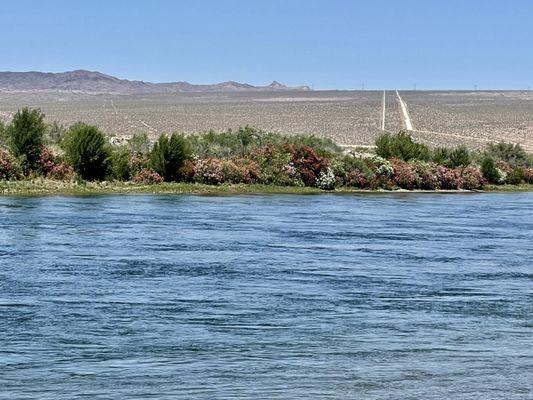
x=447 y=178
x=209 y=170
x=427 y=179
x=9 y=167
x=275 y=166
x=242 y=170
x=471 y=178
x=380 y=166
x=307 y=162
x=528 y=175
x=357 y=179
x=138 y=162
x=404 y=174
x=147 y=176
x=61 y=172
x=47 y=161
x=326 y=179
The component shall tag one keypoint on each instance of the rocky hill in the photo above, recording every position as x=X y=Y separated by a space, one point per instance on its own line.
x=96 y=82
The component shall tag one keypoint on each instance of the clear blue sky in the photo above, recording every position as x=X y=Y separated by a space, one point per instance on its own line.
x=327 y=44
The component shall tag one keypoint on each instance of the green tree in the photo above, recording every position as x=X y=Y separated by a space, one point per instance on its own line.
x=120 y=163
x=401 y=146
x=86 y=148
x=26 y=137
x=168 y=156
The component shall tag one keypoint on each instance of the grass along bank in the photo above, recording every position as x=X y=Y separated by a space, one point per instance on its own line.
x=50 y=187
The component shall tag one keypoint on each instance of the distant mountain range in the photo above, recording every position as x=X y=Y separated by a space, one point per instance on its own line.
x=96 y=82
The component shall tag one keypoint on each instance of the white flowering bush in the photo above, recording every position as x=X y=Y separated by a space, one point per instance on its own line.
x=382 y=166
x=501 y=176
x=326 y=179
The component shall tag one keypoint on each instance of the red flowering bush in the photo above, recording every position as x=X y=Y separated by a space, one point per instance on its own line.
x=528 y=175
x=356 y=179
x=447 y=178
x=61 y=172
x=307 y=162
x=472 y=178
x=9 y=167
x=404 y=174
x=147 y=176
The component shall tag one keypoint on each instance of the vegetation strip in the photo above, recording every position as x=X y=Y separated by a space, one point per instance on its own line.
x=36 y=158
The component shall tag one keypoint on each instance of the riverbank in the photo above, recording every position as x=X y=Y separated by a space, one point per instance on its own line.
x=45 y=187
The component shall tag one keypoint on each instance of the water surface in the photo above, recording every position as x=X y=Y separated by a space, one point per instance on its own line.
x=417 y=296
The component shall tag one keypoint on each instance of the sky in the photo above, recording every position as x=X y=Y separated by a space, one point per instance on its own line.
x=327 y=44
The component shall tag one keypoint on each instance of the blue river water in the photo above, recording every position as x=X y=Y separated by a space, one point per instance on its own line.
x=385 y=296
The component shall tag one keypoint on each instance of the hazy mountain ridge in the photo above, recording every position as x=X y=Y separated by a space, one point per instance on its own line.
x=97 y=82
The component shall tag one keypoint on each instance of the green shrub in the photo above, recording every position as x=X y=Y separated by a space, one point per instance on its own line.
x=401 y=146
x=516 y=176
x=139 y=143
x=3 y=135
x=168 y=155
x=26 y=137
x=120 y=165
x=513 y=154
x=459 y=157
x=55 y=132
x=489 y=170
x=87 y=151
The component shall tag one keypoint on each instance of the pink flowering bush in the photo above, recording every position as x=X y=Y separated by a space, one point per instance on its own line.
x=209 y=171
x=403 y=174
x=47 y=161
x=147 y=176
x=447 y=178
x=9 y=167
x=472 y=178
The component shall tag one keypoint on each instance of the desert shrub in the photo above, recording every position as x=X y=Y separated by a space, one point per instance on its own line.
x=326 y=179
x=247 y=139
x=356 y=172
x=404 y=174
x=516 y=176
x=9 y=167
x=447 y=178
x=513 y=154
x=401 y=146
x=471 y=179
x=86 y=149
x=209 y=171
x=120 y=164
x=139 y=143
x=26 y=137
x=147 y=176
x=54 y=134
x=427 y=178
x=168 y=155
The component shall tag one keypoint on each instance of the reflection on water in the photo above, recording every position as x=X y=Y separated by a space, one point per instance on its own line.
x=375 y=296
